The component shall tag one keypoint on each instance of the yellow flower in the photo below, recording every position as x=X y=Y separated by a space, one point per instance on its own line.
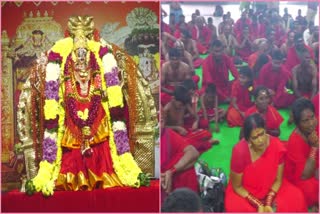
x=83 y=114
x=51 y=109
x=115 y=96
x=43 y=176
x=157 y=60
x=94 y=46
x=250 y=88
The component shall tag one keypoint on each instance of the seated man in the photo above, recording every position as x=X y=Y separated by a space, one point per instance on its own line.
x=275 y=76
x=216 y=70
x=186 y=57
x=305 y=77
x=191 y=46
x=173 y=73
x=174 y=115
x=294 y=52
x=202 y=35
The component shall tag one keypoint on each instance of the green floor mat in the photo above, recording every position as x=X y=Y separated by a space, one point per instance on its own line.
x=219 y=156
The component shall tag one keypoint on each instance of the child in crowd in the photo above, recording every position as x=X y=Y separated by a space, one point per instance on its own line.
x=240 y=97
x=209 y=108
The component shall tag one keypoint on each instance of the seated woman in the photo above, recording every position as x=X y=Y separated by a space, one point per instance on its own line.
x=240 y=97
x=262 y=106
x=302 y=160
x=256 y=183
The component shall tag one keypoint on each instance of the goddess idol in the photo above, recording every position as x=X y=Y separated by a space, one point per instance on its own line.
x=85 y=142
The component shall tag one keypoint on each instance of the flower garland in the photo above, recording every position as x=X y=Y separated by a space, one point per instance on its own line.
x=121 y=137
x=125 y=166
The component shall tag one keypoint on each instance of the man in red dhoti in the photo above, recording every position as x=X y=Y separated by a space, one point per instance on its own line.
x=240 y=23
x=245 y=41
x=174 y=114
x=256 y=183
x=216 y=70
x=202 y=35
x=302 y=160
x=294 y=52
x=275 y=76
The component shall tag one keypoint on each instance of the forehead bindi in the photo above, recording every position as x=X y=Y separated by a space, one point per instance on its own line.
x=307 y=114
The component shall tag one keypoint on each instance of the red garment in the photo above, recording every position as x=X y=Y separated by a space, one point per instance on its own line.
x=252 y=59
x=272 y=117
x=165 y=27
x=259 y=176
x=197 y=62
x=243 y=101
x=202 y=38
x=203 y=123
x=280 y=35
x=255 y=30
x=270 y=79
x=172 y=146
x=218 y=74
x=297 y=155
x=293 y=58
x=239 y=25
x=244 y=52
x=164 y=97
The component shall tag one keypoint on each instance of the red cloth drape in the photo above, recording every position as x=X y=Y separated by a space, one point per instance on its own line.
x=276 y=80
x=243 y=101
x=143 y=199
x=218 y=74
x=202 y=37
x=258 y=177
x=297 y=155
x=172 y=146
x=272 y=117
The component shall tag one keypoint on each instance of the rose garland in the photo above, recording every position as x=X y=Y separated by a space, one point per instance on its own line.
x=105 y=77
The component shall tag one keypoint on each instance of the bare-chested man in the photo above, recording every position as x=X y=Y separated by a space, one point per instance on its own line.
x=186 y=57
x=174 y=113
x=305 y=77
x=173 y=73
x=191 y=47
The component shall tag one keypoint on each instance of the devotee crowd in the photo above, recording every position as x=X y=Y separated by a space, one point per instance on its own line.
x=256 y=65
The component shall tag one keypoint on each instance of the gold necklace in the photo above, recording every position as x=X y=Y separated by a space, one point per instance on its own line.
x=75 y=93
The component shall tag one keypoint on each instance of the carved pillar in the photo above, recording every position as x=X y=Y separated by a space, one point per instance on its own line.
x=9 y=177
x=7 y=99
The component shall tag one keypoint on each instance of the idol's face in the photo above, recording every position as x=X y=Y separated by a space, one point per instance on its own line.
x=81 y=71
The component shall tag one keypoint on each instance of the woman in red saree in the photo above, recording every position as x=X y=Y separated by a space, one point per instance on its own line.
x=302 y=160
x=240 y=97
x=262 y=106
x=256 y=183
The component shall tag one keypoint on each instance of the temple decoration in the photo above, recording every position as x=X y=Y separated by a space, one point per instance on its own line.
x=114 y=74
x=140 y=39
x=23 y=58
